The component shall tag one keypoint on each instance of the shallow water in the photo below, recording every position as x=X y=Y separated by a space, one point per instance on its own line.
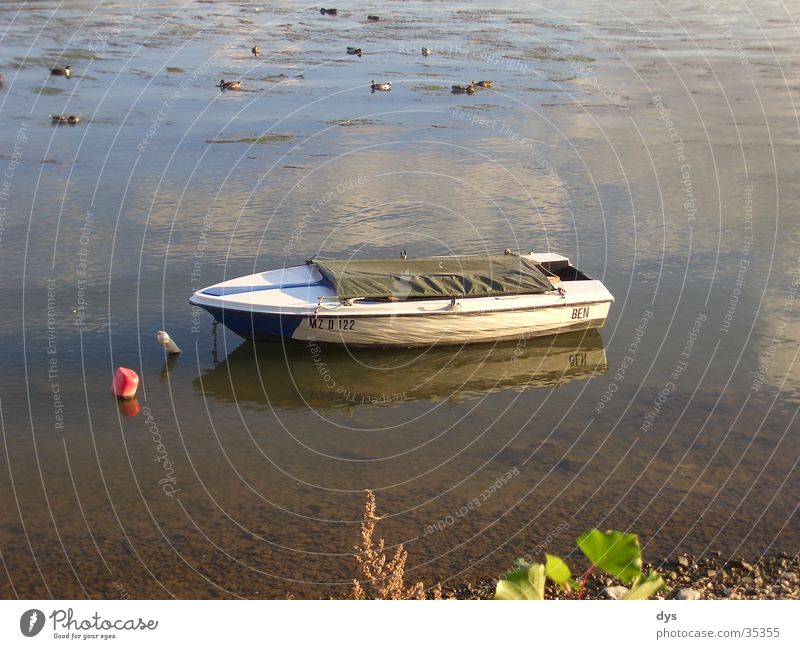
x=656 y=147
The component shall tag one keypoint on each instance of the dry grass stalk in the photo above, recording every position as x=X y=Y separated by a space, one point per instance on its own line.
x=382 y=579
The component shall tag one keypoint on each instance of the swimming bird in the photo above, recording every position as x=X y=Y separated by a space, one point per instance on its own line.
x=229 y=85
x=425 y=51
x=373 y=19
x=66 y=71
x=483 y=84
x=329 y=12
x=65 y=119
x=460 y=90
x=256 y=50
x=384 y=85
x=354 y=50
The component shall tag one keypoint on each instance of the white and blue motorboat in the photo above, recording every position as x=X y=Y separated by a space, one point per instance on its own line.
x=411 y=302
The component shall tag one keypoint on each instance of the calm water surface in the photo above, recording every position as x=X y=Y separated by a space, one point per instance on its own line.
x=655 y=145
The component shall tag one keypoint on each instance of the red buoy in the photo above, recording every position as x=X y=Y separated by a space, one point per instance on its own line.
x=129 y=407
x=125 y=384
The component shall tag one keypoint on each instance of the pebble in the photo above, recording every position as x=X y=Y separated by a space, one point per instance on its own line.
x=688 y=593
x=615 y=592
x=683 y=561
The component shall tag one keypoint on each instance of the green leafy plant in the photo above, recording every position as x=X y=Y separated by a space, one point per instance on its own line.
x=524 y=581
x=616 y=553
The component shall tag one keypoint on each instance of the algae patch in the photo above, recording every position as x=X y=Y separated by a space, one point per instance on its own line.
x=359 y=121
x=269 y=138
x=47 y=90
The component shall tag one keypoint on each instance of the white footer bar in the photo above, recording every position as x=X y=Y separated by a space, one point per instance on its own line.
x=386 y=625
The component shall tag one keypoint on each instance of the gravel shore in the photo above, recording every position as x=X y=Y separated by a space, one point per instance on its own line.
x=686 y=577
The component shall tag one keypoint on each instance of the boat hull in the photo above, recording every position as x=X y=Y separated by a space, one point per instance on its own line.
x=414 y=330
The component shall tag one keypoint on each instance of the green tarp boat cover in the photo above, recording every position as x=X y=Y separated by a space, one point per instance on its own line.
x=443 y=277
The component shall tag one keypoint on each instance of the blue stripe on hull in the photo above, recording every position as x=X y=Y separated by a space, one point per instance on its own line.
x=254 y=325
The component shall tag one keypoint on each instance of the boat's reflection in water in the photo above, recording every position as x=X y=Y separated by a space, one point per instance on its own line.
x=315 y=376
